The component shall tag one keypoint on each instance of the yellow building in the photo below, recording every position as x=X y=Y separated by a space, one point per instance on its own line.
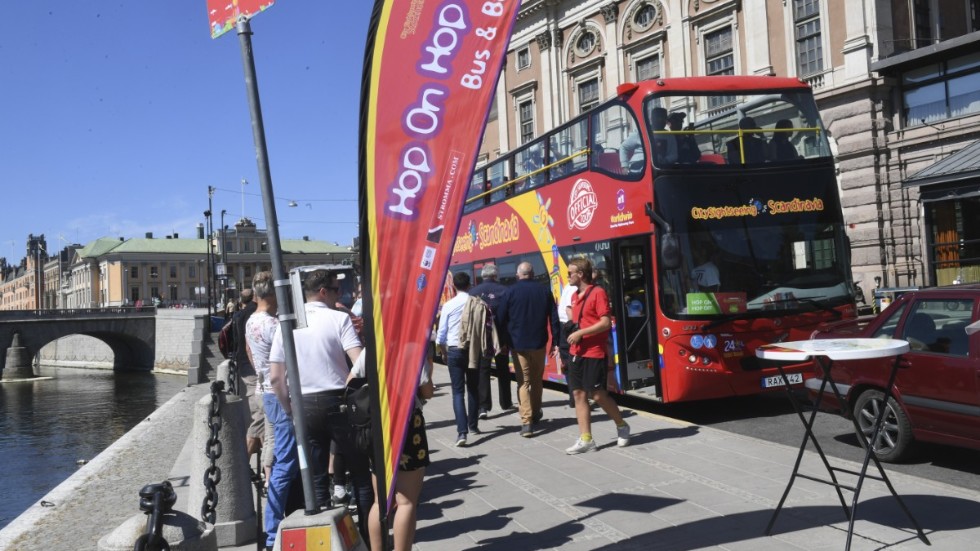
x=167 y=271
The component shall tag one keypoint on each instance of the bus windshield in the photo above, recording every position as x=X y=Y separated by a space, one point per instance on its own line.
x=751 y=245
x=744 y=129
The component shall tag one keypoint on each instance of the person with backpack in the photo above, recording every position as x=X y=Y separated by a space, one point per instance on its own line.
x=247 y=378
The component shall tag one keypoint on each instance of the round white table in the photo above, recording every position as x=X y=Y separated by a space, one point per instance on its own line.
x=824 y=352
x=834 y=349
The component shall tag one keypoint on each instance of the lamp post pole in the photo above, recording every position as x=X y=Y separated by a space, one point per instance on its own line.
x=244 y=183
x=287 y=321
x=224 y=258
x=209 y=259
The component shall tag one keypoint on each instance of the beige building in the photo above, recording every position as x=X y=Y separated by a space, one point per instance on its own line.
x=167 y=271
x=896 y=80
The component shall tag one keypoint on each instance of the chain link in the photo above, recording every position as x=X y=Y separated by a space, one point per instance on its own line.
x=212 y=475
x=233 y=377
x=156 y=500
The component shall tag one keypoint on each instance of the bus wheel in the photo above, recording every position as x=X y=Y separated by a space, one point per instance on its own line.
x=895 y=438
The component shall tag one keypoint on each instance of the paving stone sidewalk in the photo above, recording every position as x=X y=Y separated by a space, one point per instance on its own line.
x=676 y=487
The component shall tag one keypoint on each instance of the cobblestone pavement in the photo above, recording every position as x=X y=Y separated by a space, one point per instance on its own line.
x=675 y=487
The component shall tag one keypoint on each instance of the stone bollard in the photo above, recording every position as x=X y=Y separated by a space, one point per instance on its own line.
x=222 y=372
x=182 y=532
x=235 y=512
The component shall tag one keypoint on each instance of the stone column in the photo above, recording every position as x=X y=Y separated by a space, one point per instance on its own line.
x=18 y=364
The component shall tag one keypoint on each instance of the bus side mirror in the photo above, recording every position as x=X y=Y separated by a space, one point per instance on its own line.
x=670 y=251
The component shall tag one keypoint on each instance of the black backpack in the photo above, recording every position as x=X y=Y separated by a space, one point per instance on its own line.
x=357 y=403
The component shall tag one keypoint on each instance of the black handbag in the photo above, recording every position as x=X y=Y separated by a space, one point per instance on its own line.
x=357 y=403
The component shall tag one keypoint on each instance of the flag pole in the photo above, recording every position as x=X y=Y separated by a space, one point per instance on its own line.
x=287 y=320
x=370 y=344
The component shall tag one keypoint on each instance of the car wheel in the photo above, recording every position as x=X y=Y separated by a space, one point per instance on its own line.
x=895 y=438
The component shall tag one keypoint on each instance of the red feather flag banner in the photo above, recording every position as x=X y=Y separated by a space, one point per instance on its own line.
x=430 y=72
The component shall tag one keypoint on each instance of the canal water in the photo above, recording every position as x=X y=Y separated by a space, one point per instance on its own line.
x=47 y=426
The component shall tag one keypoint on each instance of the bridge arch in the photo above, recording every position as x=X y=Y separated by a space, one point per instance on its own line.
x=130 y=334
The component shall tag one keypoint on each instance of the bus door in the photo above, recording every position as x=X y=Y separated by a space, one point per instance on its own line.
x=633 y=302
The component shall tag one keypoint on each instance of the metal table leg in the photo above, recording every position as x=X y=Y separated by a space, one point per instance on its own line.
x=869 y=456
x=810 y=437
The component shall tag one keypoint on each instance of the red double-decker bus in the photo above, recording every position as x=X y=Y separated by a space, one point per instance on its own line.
x=711 y=210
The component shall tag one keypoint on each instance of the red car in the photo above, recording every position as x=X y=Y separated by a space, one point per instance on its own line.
x=937 y=393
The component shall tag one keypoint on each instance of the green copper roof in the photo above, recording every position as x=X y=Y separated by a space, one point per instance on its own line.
x=98 y=247
x=174 y=246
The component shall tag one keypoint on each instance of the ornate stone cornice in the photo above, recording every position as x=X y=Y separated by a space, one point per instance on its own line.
x=544 y=40
x=610 y=12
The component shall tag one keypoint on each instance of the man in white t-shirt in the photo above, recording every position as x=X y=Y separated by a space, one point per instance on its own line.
x=564 y=315
x=322 y=350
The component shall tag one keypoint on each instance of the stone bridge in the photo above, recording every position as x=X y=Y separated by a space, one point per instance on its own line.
x=129 y=332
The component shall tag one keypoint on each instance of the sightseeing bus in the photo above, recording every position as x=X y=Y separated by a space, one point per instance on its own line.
x=713 y=236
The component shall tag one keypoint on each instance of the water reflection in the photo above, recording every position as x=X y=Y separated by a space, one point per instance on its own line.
x=47 y=426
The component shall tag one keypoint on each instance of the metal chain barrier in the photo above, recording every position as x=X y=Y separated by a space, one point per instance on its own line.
x=156 y=500
x=233 y=377
x=212 y=475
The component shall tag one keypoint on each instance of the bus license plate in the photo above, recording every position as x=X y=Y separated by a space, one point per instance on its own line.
x=777 y=380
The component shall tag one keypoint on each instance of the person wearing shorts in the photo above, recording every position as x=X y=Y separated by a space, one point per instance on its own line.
x=411 y=468
x=588 y=366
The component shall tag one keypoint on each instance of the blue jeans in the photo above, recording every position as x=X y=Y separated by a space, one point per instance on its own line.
x=463 y=380
x=325 y=423
x=284 y=468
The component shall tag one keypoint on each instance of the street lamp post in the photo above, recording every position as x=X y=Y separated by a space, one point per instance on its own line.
x=244 y=183
x=224 y=258
x=210 y=259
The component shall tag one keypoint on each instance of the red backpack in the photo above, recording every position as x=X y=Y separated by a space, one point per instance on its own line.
x=226 y=340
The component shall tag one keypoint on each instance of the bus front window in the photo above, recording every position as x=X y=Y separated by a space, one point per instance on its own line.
x=755 y=245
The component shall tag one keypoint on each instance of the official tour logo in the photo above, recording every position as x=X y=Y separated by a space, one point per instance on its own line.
x=581 y=205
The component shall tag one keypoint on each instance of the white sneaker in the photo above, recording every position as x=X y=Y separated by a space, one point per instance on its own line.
x=581 y=446
x=461 y=441
x=623 y=435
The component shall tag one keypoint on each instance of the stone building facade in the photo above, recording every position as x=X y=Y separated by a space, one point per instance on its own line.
x=895 y=81
x=167 y=271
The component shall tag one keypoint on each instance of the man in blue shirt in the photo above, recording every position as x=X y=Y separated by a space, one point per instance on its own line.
x=457 y=360
x=492 y=293
x=528 y=311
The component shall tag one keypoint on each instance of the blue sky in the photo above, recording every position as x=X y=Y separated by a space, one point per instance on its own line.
x=115 y=117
